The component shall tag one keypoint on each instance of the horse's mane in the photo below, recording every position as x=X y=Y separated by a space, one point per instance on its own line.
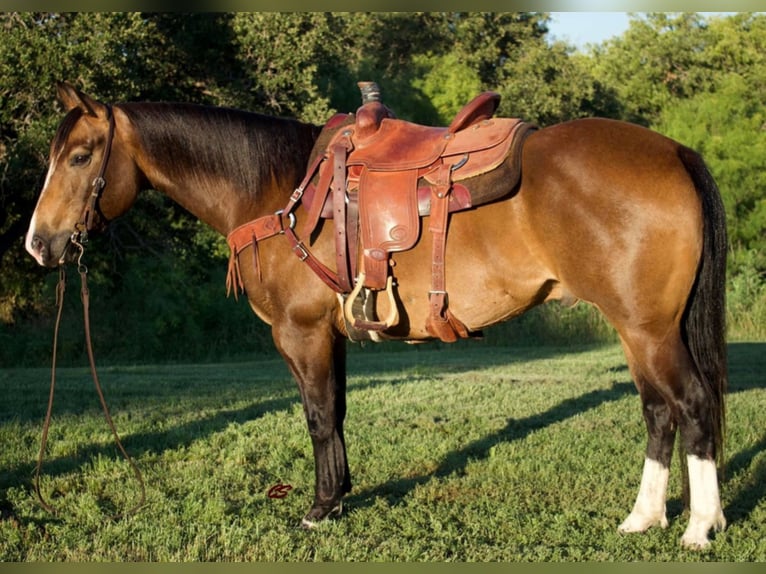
x=204 y=141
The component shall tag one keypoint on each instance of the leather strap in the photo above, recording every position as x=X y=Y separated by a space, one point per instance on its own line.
x=441 y=323
x=352 y=231
x=339 y=152
x=267 y=226
x=325 y=274
x=99 y=183
x=318 y=198
x=85 y=297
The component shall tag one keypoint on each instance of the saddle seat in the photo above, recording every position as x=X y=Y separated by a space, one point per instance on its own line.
x=383 y=143
x=370 y=115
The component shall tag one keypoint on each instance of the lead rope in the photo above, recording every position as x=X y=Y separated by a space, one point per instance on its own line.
x=60 y=289
x=85 y=297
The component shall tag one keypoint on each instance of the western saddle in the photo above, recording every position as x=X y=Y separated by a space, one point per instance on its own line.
x=375 y=176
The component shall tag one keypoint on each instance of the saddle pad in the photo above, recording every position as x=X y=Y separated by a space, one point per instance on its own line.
x=459 y=199
x=480 y=148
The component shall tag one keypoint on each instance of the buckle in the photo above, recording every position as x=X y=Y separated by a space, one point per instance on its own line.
x=301 y=251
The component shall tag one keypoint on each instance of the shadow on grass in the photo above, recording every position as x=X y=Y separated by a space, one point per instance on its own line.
x=747 y=365
x=180 y=436
x=26 y=402
x=140 y=444
x=516 y=429
x=753 y=491
x=26 y=390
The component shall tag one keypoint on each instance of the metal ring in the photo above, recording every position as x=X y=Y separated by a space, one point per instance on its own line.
x=290 y=217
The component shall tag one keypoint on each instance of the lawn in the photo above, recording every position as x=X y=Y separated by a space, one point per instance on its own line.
x=457 y=453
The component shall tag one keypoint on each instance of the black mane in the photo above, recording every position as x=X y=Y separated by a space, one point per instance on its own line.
x=245 y=147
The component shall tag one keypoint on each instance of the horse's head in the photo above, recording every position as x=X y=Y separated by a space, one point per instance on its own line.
x=90 y=180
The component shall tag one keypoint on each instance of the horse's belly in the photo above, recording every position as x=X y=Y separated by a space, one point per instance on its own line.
x=491 y=273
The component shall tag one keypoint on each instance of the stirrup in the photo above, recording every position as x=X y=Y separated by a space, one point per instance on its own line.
x=366 y=324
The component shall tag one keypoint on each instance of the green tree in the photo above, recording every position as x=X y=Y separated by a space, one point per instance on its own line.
x=660 y=58
x=728 y=126
x=283 y=57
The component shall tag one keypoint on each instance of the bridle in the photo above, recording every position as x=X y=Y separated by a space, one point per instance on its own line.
x=79 y=235
x=79 y=238
x=85 y=224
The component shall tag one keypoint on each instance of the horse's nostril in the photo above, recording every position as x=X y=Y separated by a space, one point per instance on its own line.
x=37 y=245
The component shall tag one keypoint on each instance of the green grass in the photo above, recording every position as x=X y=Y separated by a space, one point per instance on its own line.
x=457 y=453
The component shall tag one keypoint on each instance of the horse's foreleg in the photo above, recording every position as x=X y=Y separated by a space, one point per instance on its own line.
x=317 y=360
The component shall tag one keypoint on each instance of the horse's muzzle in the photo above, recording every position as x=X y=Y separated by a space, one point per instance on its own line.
x=50 y=252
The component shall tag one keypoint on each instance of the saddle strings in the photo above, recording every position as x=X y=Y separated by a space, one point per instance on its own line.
x=85 y=297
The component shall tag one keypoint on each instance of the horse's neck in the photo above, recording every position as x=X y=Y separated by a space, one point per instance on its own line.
x=216 y=202
x=223 y=182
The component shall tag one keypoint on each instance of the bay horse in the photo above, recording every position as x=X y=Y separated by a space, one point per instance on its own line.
x=605 y=212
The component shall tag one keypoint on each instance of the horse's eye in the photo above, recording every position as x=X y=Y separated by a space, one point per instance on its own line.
x=80 y=159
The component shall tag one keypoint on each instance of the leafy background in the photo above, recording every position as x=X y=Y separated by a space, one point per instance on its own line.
x=158 y=274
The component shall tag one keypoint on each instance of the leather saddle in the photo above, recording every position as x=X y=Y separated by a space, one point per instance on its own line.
x=375 y=177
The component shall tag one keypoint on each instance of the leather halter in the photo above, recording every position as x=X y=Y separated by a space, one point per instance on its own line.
x=82 y=227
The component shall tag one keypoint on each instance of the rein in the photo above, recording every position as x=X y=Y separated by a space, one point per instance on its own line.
x=78 y=239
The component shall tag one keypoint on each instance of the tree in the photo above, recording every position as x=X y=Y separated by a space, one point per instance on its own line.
x=660 y=58
x=728 y=127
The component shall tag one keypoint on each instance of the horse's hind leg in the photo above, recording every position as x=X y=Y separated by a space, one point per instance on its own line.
x=649 y=509
x=673 y=396
x=317 y=359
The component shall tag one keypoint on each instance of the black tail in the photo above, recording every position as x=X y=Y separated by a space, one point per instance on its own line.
x=704 y=324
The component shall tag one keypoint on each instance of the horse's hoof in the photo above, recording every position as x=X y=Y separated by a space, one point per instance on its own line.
x=317 y=516
x=638 y=522
x=695 y=537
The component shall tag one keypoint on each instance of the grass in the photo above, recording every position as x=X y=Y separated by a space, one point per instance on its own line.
x=457 y=453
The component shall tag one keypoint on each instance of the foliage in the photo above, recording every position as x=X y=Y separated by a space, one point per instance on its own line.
x=693 y=78
x=114 y=55
x=746 y=303
x=728 y=126
x=659 y=59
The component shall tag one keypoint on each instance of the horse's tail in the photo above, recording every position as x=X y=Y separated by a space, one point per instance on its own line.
x=704 y=321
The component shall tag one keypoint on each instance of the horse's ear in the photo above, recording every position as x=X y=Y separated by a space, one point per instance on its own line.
x=71 y=98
